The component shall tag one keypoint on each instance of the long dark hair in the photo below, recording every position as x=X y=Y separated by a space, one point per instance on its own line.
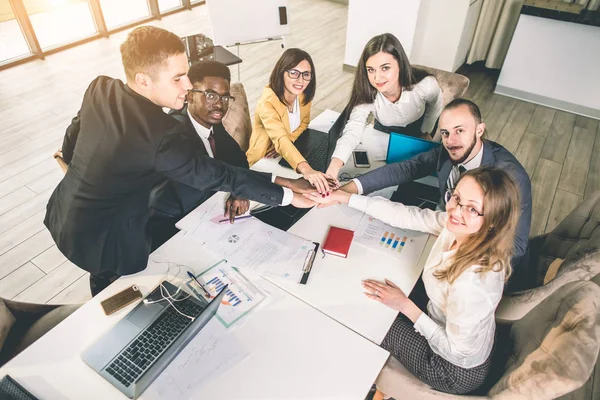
x=288 y=60
x=362 y=90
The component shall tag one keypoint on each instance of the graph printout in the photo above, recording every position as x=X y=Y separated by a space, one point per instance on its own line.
x=399 y=243
x=241 y=295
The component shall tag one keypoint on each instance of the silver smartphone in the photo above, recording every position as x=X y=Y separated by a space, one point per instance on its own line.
x=361 y=159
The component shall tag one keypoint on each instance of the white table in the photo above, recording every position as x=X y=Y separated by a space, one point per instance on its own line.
x=295 y=351
x=334 y=286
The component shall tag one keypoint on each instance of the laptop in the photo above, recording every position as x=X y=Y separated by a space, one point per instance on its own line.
x=133 y=353
x=316 y=147
x=403 y=147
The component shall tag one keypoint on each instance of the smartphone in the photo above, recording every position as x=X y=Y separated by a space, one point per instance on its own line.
x=122 y=299
x=361 y=160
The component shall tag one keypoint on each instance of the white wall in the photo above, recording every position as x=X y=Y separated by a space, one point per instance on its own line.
x=554 y=60
x=368 y=18
x=438 y=33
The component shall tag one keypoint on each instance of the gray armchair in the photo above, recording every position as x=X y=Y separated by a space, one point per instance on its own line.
x=21 y=324
x=571 y=251
x=552 y=351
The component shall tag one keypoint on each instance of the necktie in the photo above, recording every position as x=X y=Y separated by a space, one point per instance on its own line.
x=211 y=141
x=455 y=173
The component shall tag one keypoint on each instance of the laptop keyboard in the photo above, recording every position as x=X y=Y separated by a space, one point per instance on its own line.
x=136 y=358
x=317 y=157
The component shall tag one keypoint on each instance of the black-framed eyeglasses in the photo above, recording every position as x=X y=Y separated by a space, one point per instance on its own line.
x=466 y=210
x=212 y=97
x=295 y=74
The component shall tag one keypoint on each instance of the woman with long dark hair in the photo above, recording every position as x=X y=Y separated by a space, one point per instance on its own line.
x=283 y=114
x=448 y=342
x=389 y=87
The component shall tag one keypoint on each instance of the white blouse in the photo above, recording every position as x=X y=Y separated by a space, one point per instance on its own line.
x=459 y=324
x=425 y=98
x=294 y=116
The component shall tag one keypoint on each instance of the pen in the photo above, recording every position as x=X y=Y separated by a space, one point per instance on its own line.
x=222 y=221
x=199 y=284
x=260 y=209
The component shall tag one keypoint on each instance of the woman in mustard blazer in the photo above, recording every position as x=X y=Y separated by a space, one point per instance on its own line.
x=283 y=113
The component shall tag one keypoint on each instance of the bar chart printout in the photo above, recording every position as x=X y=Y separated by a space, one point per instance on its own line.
x=241 y=295
x=399 y=243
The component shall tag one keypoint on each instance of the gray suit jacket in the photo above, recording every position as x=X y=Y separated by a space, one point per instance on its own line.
x=437 y=160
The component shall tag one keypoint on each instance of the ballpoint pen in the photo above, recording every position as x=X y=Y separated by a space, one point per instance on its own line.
x=199 y=284
x=222 y=221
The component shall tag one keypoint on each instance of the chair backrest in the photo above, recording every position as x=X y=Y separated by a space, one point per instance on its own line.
x=576 y=240
x=555 y=346
x=237 y=120
x=453 y=85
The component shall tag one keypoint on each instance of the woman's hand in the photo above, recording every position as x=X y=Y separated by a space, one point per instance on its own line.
x=316 y=178
x=300 y=201
x=338 y=196
x=334 y=167
x=272 y=153
x=392 y=296
x=386 y=293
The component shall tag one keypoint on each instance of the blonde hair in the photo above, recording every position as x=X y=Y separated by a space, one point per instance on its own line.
x=492 y=246
x=147 y=48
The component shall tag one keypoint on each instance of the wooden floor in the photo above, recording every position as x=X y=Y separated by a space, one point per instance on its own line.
x=38 y=99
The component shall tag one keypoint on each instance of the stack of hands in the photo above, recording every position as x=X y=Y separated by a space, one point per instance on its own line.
x=305 y=194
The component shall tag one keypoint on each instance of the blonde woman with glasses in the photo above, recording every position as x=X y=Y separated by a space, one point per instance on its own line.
x=448 y=342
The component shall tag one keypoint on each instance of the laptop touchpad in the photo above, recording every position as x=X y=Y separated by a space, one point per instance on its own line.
x=145 y=314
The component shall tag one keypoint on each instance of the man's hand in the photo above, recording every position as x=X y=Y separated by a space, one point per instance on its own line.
x=272 y=153
x=58 y=156
x=235 y=206
x=301 y=185
x=299 y=201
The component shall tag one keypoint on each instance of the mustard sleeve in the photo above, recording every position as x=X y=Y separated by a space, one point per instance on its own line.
x=279 y=135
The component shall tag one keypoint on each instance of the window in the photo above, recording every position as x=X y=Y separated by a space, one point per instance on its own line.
x=57 y=22
x=12 y=42
x=119 y=12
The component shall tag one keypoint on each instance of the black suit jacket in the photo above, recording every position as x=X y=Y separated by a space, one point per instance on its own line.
x=177 y=199
x=437 y=160
x=117 y=147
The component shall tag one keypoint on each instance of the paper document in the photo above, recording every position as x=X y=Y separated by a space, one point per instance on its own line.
x=247 y=244
x=376 y=144
x=241 y=296
x=400 y=243
x=324 y=121
x=212 y=352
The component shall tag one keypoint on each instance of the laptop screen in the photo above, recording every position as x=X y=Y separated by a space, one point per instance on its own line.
x=402 y=147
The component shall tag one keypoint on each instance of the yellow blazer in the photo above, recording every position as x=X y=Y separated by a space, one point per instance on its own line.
x=271 y=129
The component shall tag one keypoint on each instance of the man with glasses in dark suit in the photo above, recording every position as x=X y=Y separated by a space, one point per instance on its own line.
x=207 y=105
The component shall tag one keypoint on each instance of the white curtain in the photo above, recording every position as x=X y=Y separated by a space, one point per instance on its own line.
x=495 y=27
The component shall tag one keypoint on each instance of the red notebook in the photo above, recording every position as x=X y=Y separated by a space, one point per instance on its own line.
x=338 y=241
